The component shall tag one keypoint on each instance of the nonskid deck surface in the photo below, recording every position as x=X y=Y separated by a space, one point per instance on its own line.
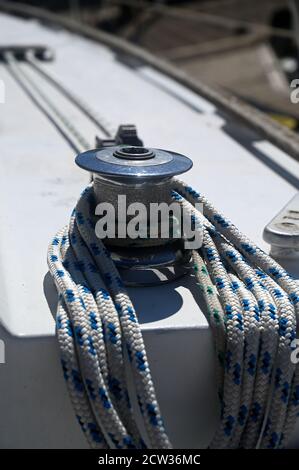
x=246 y=178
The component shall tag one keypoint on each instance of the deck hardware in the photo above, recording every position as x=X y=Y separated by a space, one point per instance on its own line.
x=126 y=135
x=42 y=53
x=282 y=233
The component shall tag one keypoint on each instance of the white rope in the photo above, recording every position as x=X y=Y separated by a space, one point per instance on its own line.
x=252 y=307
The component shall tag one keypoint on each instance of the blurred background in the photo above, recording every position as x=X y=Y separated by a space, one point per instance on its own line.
x=249 y=47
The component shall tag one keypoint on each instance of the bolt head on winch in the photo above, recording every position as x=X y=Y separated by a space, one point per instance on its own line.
x=141 y=174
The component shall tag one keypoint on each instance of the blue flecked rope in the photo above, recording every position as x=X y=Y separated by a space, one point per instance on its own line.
x=252 y=305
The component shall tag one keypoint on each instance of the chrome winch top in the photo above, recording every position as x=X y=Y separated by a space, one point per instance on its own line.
x=133 y=162
x=142 y=175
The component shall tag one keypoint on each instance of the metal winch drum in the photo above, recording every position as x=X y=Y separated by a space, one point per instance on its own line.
x=139 y=175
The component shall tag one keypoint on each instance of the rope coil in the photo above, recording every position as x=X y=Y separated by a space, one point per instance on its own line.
x=252 y=307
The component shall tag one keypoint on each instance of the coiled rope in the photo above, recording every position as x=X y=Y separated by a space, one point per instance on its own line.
x=252 y=307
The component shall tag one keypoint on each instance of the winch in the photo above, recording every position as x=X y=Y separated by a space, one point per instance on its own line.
x=134 y=179
x=251 y=304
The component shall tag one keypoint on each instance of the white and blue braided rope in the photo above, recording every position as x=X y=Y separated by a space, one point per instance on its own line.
x=252 y=306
